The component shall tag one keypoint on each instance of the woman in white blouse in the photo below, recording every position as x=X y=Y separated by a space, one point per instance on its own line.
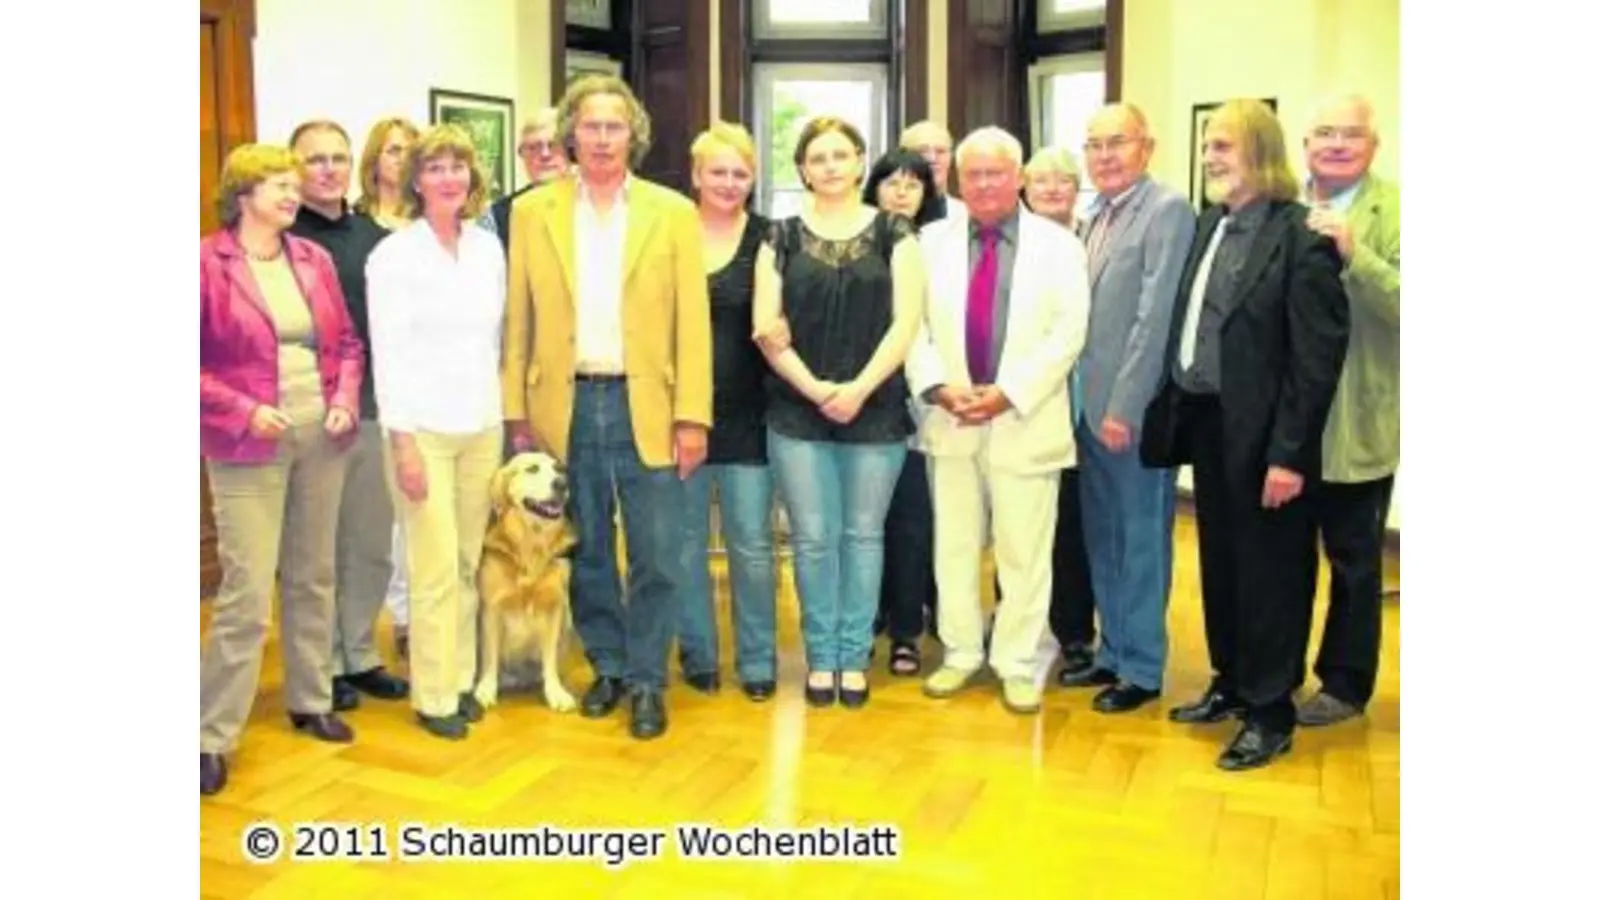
x=436 y=292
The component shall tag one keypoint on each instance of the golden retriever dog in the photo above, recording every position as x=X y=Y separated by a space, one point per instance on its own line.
x=523 y=579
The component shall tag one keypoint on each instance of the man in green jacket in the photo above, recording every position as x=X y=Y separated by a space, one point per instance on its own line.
x=1361 y=446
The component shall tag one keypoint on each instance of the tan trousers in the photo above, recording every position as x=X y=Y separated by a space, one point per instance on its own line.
x=274 y=518
x=366 y=521
x=443 y=546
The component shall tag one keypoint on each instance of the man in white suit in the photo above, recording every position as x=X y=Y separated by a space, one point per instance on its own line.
x=1008 y=309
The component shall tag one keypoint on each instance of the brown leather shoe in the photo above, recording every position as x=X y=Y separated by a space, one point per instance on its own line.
x=323 y=727
x=213 y=773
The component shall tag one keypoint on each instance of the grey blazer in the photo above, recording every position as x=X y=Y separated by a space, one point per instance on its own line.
x=1134 y=287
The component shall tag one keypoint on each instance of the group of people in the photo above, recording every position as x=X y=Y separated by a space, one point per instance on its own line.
x=918 y=377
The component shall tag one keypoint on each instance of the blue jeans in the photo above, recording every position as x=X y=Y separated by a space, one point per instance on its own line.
x=838 y=496
x=628 y=641
x=744 y=497
x=1128 y=512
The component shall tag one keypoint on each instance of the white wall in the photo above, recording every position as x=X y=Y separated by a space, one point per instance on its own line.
x=357 y=61
x=1178 y=53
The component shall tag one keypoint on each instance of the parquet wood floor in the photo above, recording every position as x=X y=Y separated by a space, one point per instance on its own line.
x=989 y=804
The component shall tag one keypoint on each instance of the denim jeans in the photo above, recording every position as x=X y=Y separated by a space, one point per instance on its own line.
x=744 y=498
x=838 y=496
x=623 y=640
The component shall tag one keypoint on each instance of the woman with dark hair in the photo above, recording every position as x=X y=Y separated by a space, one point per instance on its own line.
x=901 y=182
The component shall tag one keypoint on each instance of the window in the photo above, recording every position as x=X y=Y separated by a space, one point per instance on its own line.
x=790 y=94
x=1063 y=93
x=1071 y=15
x=821 y=19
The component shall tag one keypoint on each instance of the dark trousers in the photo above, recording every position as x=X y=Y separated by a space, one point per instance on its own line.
x=1352 y=519
x=1071 y=593
x=908 y=586
x=627 y=640
x=1258 y=572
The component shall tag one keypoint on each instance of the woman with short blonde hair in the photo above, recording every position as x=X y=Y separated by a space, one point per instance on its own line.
x=280 y=386
x=436 y=296
x=1050 y=183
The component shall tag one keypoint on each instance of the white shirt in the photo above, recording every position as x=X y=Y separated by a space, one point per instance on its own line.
x=436 y=323
x=598 y=249
x=1197 y=299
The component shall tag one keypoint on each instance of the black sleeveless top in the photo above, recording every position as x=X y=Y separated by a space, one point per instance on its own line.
x=838 y=297
x=739 y=370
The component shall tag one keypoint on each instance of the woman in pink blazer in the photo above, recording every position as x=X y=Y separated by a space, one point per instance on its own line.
x=280 y=375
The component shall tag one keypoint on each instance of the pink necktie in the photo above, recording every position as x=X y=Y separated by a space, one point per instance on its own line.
x=980 y=309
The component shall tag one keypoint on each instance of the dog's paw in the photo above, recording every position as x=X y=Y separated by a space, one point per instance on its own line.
x=558 y=699
x=487 y=694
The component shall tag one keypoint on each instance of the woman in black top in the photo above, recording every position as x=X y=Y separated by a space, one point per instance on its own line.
x=736 y=460
x=848 y=282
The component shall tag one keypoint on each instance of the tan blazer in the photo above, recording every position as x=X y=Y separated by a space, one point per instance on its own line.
x=666 y=317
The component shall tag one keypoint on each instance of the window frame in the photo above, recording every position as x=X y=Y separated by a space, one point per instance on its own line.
x=765 y=76
x=876 y=28
x=1050 y=21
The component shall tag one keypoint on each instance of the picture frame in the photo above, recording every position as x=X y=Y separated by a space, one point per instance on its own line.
x=584 y=62
x=1199 y=117
x=491 y=124
x=589 y=13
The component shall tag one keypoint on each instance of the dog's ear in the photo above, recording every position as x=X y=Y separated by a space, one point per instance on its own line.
x=498 y=486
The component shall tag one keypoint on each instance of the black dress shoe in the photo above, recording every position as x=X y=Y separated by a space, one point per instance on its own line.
x=854 y=698
x=323 y=727
x=1124 y=697
x=452 y=728
x=469 y=707
x=648 y=715
x=379 y=683
x=1076 y=659
x=1214 y=706
x=704 y=682
x=213 y=773
x=602 y=697
x=1253 y=747
x=1091 y=677
x=760 y=691
x=345 y=697
x=822 y=696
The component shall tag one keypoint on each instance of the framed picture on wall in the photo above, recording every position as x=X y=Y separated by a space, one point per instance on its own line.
x=1197 y=135
x=490 y=122
x=590 y=13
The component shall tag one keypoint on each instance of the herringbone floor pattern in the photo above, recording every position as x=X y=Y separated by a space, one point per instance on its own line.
x=1069 y=803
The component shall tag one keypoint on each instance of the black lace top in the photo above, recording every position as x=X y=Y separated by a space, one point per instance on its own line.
x=838 y=297
x=739 y=371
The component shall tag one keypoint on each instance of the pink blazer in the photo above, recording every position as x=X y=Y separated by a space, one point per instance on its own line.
x=239 y=345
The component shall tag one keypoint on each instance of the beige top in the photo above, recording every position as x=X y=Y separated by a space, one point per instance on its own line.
x=299 y=381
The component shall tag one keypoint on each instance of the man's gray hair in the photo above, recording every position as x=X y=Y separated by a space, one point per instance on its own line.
x=990 y=137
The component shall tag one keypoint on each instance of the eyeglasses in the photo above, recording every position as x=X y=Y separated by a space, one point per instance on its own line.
x=1328 y=134
x=1110 y=145
x=328 y=161
x=538 y=148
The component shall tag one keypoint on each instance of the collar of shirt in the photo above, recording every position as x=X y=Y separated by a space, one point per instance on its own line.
x=622 y=192
x=313 y=218
x=1102 y=201
x=1007 y=227
x=1247 y=217
x=1340 y=201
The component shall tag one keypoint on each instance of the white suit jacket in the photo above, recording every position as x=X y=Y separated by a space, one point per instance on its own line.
x=1047 y=320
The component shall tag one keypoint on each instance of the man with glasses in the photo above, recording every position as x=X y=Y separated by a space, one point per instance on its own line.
x=543 y=158
x=1361 y=446
x=366 y=516
x=1138 y=236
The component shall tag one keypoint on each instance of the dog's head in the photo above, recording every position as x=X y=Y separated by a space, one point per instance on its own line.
x=534 y=484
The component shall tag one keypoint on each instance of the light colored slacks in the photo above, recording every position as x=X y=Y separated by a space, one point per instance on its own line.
x=279 y=518
x=366 y=520
x=443 y=546
x=1021 y=509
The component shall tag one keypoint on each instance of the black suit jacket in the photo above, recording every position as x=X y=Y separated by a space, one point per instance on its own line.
x=1282 y=350
x=501 y=211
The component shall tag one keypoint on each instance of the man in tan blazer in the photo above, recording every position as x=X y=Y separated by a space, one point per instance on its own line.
x=1361 y=446
x=607 y=366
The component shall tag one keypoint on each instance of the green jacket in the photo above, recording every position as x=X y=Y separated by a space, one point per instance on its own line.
x=1362 y=440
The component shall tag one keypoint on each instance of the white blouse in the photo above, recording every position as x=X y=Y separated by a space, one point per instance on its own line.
x=436 y=322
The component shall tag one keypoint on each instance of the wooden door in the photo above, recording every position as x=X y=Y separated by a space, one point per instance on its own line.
x=227 y=119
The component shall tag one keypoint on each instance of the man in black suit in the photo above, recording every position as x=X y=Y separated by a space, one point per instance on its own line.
x=1253 y=360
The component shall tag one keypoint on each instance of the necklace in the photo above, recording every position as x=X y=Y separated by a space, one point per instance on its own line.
x=277 y=251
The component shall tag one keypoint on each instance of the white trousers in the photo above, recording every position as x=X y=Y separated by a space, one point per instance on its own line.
x=399 y=595
x=969 y=500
